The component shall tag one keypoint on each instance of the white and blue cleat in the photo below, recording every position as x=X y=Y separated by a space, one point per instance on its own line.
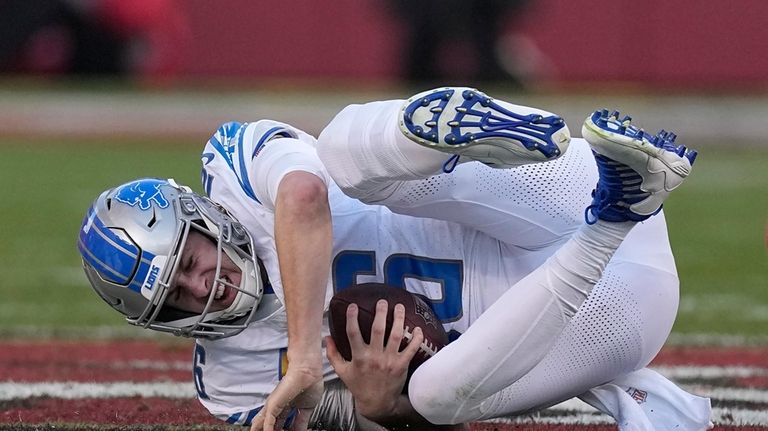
x=637 y=170
x=467 y=123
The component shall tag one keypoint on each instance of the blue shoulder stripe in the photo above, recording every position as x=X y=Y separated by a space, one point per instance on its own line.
x=268 y=136
x=245 y=183
x=226 y=132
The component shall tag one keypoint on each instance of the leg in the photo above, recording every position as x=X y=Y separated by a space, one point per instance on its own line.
x=371 y=159
x=366 y=154
x=645 y=400
x=620 y=328
x=527 y=320
x=516 y=331
x=466 y=122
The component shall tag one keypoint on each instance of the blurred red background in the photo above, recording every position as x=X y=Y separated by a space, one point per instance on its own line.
x=686 y=43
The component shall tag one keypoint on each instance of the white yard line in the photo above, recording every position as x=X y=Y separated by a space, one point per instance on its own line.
x=573 y=411
x=709 y=372
x=76 y=390
x=720 y=417
x=577 y=412
x=717 y=340
x=730 y=394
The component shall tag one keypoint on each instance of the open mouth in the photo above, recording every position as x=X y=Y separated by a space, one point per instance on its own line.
x=221 y=289
x=225 y=291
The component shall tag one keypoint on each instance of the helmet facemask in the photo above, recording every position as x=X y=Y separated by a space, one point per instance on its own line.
x=201 y=215
x=187 y=212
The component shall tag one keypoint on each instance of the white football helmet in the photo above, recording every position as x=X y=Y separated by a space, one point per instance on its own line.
x=131 y=242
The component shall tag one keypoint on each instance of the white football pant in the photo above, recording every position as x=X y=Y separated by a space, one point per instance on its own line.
x=594 y=313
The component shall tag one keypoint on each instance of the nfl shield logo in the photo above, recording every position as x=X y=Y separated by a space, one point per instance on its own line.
x=637 y=395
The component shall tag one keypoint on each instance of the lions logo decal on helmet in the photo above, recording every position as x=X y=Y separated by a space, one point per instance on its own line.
x=144 y=193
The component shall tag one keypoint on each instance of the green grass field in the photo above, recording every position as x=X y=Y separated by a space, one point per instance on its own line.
x=716 y=223
x=51 y=185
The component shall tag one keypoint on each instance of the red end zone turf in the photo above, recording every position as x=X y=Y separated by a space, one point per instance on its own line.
x=735 y=378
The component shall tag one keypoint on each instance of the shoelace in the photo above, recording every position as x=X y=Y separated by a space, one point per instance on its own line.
x=618 y=187
x=451 y=164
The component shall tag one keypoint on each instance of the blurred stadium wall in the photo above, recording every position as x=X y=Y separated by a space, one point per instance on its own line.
x=698 y=64
x=684 y=43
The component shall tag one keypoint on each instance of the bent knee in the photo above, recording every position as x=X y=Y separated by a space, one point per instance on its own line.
x=437 y=403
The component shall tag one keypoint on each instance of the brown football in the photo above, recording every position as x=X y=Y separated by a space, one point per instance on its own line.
x=418 y=313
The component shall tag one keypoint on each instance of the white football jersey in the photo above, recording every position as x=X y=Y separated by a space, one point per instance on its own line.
x=505 y=224
x=242 y=166
x=471 y=242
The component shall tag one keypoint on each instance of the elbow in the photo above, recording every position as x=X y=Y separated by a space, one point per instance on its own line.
x=303 y=193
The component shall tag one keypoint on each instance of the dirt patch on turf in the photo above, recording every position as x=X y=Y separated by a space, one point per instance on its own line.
x=115 y=411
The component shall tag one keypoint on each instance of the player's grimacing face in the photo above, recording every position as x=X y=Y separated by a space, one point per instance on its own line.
x=194 y=278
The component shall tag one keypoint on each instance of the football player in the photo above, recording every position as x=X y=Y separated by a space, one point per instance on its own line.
x=554 y=287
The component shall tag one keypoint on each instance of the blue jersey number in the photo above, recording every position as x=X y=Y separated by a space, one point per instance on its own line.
x=198 y=371
x=449 y=274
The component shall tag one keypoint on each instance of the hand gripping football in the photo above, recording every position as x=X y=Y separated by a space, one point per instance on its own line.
x=417 y=314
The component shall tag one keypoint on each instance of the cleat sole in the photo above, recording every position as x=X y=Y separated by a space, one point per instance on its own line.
x=467 y=122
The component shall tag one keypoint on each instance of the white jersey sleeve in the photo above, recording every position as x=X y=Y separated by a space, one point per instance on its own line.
x=249 y=160
x=280 y=157
x=243 y=165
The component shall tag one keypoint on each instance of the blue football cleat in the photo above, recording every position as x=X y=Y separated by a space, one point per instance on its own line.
x=637 y=170
x=465 y=122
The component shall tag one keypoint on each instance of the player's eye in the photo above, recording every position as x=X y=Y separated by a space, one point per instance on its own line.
x=186 y=263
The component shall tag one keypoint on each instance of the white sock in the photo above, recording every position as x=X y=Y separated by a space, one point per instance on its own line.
x=581 y=261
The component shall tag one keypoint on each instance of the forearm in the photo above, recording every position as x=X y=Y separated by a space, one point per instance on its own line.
x=303 y=236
